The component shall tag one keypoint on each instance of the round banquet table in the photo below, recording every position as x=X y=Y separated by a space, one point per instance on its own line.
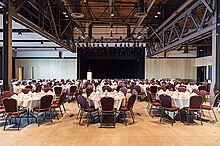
x=31 y=100
x=95 y=98
x=179 y=99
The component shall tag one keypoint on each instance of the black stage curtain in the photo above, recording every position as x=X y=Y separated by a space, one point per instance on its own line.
x=111 y=66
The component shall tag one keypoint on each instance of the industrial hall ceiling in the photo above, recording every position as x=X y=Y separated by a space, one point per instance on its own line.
x=70 y=22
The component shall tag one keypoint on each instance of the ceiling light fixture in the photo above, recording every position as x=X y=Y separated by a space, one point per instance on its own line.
x=112 y=13
x=20 y=33
x=66 y=16
x=156 y=16
x=64 y=13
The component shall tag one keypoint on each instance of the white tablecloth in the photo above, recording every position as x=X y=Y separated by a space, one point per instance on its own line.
x=31 y=100
x=95 y=98
x=179 y=99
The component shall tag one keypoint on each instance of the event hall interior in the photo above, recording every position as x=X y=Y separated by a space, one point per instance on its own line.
x=109 y=72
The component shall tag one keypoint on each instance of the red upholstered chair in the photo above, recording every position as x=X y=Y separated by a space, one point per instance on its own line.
x=129 y=108
x=181 y=89
x=202 y=88
x=84 y=108
x=152 y=103
x=6 y=94
x=209 y=108
x=196 y=91
x=58 y=104
x=45 y=105
x=26 y=90
x=123 y=90
x=194 y=107
x=107 y=104
x=47 y=89
x=2 y=109
x=58 y=91
x=140 y=94
x=109 y=89
x=38 y=89
x=11 y=109
x=72 y=90
x=166 y=103
x=203 y=94
x=88 y=91
x=153 y=90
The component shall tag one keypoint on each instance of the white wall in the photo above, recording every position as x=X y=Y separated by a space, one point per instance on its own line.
x=170 y=68
x=48 y=68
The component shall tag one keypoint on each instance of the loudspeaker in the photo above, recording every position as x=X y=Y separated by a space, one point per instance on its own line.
x=61 y=54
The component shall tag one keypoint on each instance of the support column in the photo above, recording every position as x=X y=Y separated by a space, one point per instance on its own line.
x=7 y=47
x=217 y=45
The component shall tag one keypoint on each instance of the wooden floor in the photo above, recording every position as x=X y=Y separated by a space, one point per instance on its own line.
x=145 y=131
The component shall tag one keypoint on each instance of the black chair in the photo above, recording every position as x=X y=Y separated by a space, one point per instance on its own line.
x=45 y=105
x=11 y=109
x=84 y=108
x=129 y=108
x=166 y=103
x=107 y=104
x=194 y=107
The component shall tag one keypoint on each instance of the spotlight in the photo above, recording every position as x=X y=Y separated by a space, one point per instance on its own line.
x=156 y=16
x=66 y=16
x=112 y=14
x=64 y=13
x=20 y=33
x=76 y=28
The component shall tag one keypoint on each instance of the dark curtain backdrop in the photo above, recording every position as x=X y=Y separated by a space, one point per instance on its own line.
x=110 y=65
x=110 y=68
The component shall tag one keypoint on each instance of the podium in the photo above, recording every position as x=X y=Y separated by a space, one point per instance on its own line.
x=89 y=75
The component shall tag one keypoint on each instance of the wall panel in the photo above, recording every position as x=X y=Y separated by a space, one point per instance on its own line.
x=48 y=68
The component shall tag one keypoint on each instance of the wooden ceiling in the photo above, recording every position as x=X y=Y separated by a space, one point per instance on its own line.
x=100 y=10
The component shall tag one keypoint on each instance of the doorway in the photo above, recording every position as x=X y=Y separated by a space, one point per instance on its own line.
x=201 y=74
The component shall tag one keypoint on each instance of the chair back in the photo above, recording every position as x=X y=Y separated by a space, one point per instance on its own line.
x=26 y=90
x=196 y=91
x=89 y=91
x=202 y=93
x=6 y=94
x=109 y=89
x=202 y=88
x=58 y=90
x=217 y=100
x=29 y=87
x=131 y=101
x=181 y=89
x=45 y=101
x=165 y=101
x=153 y=89
x=195 y=102
x=62 y=98
x=107 y=103
x=137 y=88
x=73 y=89
x=149 y=96
x=1 y=102
x=48 y=89
x=123 y=90
x=10 y=105
x=82 y=101
x=38 y=88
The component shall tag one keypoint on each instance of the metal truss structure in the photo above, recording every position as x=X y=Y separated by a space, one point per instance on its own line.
x=194 y=24
x=46 y=18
